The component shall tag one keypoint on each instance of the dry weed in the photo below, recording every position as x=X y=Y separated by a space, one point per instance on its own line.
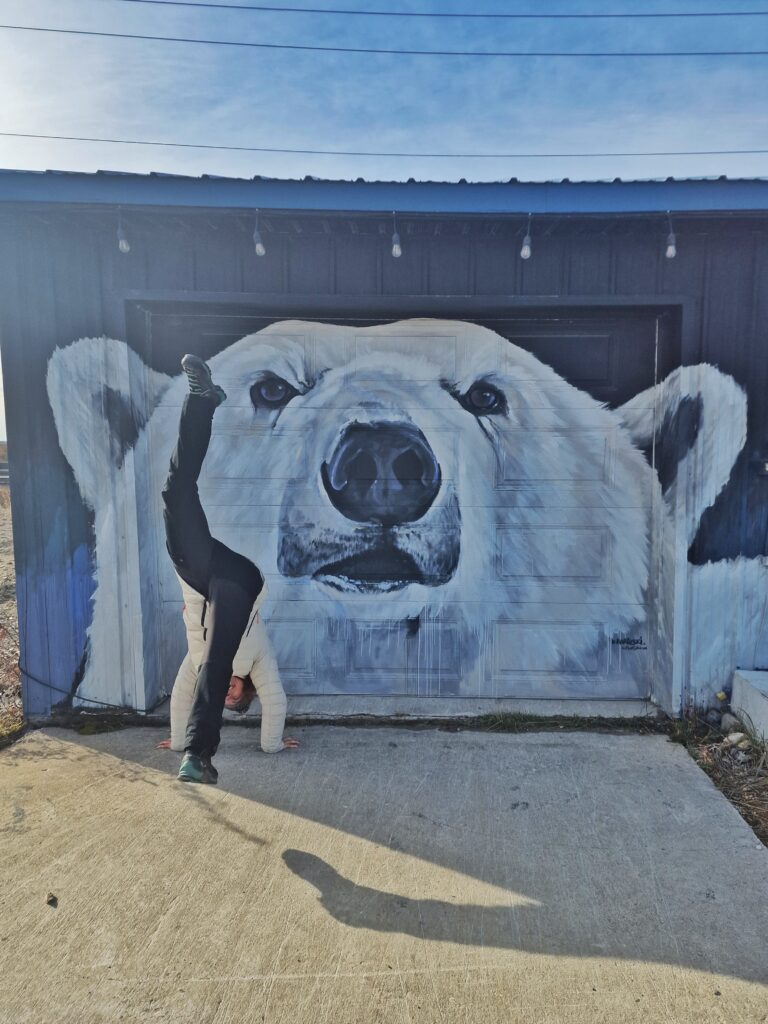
x=743 y=779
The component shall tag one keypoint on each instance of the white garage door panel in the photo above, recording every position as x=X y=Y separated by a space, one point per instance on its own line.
x=527 y=570
x=538 y=653
x=543 y=656
x=367 y=656
x=544 y=450
x=554 y=553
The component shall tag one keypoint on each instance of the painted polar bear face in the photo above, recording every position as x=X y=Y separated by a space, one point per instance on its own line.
x=423 y=486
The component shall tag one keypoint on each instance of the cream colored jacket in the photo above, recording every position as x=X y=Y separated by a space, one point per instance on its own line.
x=254 y=658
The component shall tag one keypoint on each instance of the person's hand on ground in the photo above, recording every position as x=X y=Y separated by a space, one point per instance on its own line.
x=164 y=744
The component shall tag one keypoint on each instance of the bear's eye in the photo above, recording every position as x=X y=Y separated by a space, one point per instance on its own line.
x=272 y=393
x=483 y=399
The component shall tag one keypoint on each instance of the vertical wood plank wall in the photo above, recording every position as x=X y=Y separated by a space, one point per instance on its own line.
x=62 y=278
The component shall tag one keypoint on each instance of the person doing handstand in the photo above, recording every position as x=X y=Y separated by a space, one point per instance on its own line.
x=229 y=584
x=254 y=674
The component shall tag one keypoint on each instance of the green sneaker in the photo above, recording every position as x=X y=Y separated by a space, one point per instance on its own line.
x=198 y=769
x=199 y=378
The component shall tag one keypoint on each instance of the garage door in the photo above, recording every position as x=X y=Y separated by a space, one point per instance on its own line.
x=460 y=513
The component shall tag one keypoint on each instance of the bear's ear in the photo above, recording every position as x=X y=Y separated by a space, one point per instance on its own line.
x=101 y=394
x=692 y=427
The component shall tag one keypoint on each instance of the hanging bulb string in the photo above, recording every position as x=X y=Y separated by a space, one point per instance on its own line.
x=397 y=249
x=671 y=250
x=258 y=243
x=526 y=249
x=122 y=240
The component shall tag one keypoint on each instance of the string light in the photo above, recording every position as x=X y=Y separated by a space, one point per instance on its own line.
x=527 y=249
x=258 y=244
x=397 y=249
x=671 y=250
x=122 y=241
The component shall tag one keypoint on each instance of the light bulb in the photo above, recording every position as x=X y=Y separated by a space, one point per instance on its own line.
x=525 y=252
x=671 y=246
x=258 y=244
x=397 y=249
x=122 y=242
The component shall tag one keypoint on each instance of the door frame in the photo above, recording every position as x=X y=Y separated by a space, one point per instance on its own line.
x=681 y=313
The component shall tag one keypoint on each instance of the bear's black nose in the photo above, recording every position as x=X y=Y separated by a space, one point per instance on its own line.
x=382 y=473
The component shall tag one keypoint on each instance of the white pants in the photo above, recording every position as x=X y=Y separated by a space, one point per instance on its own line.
x=265 y=678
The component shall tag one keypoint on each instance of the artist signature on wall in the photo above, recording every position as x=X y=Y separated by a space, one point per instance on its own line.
x=630 y=643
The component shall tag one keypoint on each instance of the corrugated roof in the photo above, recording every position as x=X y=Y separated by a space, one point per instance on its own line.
x=375 y=181
x=615 y=196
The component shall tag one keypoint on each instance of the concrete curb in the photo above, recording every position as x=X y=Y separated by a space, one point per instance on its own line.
x=656 y=723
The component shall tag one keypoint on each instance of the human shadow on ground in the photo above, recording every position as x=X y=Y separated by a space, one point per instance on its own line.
x=488 y=926
x=608 y=846
x=360 y=906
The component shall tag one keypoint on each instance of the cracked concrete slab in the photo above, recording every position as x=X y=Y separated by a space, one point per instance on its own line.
x=376 y=875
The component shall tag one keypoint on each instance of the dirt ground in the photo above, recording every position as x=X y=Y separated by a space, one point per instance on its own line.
x=741 y=775
x=10 y=687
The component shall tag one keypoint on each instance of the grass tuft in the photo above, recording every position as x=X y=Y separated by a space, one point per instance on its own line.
x=516 y=721
x=741 y=776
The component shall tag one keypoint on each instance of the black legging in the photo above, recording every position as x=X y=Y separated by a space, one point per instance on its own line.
x=229 y=582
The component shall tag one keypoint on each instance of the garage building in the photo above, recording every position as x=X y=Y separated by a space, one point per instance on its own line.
x=515 y=453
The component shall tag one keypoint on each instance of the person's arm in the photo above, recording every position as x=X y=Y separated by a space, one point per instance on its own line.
x=269 y=689
x=251 y=642
x=249 y=650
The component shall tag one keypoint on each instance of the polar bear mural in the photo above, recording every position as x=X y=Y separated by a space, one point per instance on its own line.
x=436 y=511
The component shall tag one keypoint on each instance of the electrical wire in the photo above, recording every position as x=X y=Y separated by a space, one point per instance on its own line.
x=446 y=14
x=386 y=51
x=372 y=153
x=67 y=693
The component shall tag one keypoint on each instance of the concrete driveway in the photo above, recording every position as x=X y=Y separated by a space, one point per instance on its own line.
x=377 y=875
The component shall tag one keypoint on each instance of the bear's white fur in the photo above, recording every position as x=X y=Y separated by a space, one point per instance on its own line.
x=550 y=558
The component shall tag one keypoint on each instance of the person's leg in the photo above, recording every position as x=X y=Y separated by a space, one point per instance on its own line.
x=234 y=584
x=188 y=537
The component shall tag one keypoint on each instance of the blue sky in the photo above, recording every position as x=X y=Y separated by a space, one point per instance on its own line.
x=70 y=85
x=151 y=90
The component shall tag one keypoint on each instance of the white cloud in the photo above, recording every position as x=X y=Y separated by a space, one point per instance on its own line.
x=121 y=88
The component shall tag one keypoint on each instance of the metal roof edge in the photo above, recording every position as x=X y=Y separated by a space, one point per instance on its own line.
x=318 y=195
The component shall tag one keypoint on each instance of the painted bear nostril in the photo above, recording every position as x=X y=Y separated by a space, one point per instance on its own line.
x=382 y=473
x=362 y=467
x=408 y=467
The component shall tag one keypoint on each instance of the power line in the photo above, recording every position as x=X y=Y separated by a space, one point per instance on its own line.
x=446 y=14
x=372 y=50
x=348 y=152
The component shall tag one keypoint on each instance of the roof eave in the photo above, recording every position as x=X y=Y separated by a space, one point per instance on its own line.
x=496 y=198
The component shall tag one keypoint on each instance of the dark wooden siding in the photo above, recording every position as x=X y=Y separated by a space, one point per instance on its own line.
x=62 y=278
